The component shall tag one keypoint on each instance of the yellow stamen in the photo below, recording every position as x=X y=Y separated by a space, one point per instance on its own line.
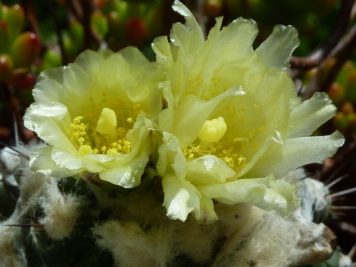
x=85 y=150
x=208 y=144
x=106 y=139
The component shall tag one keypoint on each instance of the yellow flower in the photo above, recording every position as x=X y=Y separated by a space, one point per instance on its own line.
x=233 y=126
x=95 y=116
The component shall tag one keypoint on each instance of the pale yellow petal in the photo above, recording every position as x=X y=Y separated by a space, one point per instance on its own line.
x=189 y=36
x=162 y=49
x=41 y=161
x=266 y=193
x=67 y=160
x=279 y=46
x=297 y=152
x=171 y=158
x=51 y=122
x=180 y=197
x=208 y=169
x=310 y=114
x=126 y=175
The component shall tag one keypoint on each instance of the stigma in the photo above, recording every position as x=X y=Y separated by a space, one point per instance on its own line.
x=213 y=130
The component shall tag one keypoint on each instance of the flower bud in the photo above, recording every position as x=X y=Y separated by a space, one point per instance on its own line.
x=340 y=121
x=115 y=24
x=76 y=32
x=4 y=36
x=136 y=30
x=100 y=3
x=212 y=7
x=21 y=79
x=4 y=132
x=6 y=67
x=15 y=17
x=351 y=85
x=347 y=108
x=71 y=47
x=99 y=24
x=336 y=92
x=25 y=49
x=51 y=59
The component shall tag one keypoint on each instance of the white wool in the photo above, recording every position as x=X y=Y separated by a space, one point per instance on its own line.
x=131 y=246
x=233 y=218
x=61 y=212
x=196 y=240
x=11 y=252
x=345 y=261
x=313 y=195
x=273 y=241
x=31 y=187
x=10 y=158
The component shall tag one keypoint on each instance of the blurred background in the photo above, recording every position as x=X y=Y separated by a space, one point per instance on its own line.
x=42 y=34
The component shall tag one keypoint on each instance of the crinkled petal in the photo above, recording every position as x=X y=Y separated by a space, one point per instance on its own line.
x=266 y=193
x=126 y=175
x=189 y=36
x=206 y=213
x=162 y=49
x=180 y=197
x=234 y=40
x=51 y=122
x=166 y=117
x=53 y=79
x=42 y=162
x=276 y=50
x=67 y=160
x=208 y=169
x=310 y=114
x=171 y=158
x=296 y=152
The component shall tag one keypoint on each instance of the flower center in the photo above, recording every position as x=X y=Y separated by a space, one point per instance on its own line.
x=106 y=138
x=211 y=142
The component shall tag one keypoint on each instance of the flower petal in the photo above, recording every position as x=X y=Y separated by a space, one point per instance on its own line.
x=51 y=122
x=67 y=160
x=278 y=47
x=206 y=214
x=171 y=158
x=162 y=49
x=234 y=40
x=296 y=152
x=126 y=175
x=310 y=114
x=208 y=169
x=192 y=112
x=180 y=197
x=42 y=162
x=266 y=193
x=190 y=36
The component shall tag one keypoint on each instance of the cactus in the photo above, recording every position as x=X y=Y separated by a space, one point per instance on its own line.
x=182 y=161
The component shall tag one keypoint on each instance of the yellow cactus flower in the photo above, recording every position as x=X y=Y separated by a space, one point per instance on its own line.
x=95 y=116
x=233 y=125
